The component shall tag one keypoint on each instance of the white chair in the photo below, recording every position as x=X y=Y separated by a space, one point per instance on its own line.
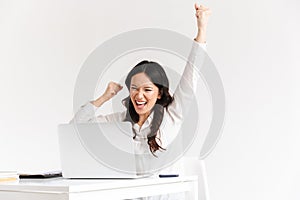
x=196 y=165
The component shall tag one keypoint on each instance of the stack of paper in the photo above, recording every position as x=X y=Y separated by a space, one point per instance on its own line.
x=8 y=176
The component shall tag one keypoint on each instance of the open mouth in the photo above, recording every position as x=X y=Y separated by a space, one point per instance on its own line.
x=140 y=104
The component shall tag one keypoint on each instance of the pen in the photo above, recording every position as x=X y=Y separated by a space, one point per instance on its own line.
x=168 y=175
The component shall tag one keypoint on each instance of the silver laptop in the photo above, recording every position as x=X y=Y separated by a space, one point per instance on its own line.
x=97 y=150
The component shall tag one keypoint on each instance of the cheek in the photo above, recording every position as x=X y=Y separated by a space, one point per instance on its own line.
x=152 y=97
x=131 y=94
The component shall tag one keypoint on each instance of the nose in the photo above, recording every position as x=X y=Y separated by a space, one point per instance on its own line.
x=140 y=94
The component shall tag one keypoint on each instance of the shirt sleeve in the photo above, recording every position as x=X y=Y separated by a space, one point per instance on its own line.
x=184 y=93
x=86 y=114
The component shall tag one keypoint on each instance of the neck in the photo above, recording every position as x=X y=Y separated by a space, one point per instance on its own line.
x=143 y=118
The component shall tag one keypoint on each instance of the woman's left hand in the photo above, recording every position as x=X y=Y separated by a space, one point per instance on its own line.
x=202 y=14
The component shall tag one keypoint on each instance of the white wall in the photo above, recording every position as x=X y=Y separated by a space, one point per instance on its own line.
x=253 y=44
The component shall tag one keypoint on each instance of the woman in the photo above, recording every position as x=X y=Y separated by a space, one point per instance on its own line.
x=155 y=115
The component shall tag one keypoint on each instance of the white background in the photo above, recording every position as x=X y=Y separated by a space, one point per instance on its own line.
x=254 y=45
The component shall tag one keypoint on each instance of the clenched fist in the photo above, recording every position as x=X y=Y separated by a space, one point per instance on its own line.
x=111 y=90
x=202 y=15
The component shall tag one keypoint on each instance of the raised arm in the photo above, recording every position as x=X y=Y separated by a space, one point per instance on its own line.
x=111 y=90
x=202 y=15
x=86 y=113
x=187 y=86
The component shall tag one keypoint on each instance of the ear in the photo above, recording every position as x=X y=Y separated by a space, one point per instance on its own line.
x=159 y=94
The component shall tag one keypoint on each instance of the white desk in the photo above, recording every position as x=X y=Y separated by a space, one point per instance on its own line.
x=92 y=189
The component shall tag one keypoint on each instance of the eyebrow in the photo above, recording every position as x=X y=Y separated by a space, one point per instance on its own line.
x=146 y=86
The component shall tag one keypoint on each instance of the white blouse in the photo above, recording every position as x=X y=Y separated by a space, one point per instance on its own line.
x=173 y=116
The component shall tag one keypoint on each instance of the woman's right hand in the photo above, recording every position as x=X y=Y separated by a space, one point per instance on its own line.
x=111 y=90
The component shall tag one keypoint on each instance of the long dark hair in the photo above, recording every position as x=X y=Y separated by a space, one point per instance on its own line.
x=158 y=77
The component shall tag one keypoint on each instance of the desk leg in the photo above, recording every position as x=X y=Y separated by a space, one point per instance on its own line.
x=193 y=193
x=193 y=166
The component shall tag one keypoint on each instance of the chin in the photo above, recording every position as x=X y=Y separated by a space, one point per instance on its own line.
x=141 y=112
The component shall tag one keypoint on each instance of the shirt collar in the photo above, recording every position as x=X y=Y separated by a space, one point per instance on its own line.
x=145 y=129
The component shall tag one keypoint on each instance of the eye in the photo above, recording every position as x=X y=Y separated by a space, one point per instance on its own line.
x=148 y=89
x=133 y=88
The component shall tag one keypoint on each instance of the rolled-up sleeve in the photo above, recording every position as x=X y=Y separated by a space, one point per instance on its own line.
x=86 y=114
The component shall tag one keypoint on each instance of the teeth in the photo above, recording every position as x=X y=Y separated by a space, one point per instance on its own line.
x=140 y=103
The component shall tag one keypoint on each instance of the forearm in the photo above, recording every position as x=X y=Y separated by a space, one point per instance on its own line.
x=201 y=36
x=111 y=90
x=101 y=100
x=202 y=15
x=86 y=114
